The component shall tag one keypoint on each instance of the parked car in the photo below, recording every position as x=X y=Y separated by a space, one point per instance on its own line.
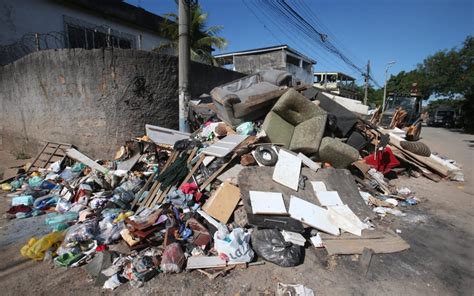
x=443 y=116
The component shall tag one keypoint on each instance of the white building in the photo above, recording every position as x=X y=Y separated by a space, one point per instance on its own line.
x=28 y=25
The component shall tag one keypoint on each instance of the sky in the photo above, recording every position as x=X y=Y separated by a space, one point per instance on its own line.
x=404 y=31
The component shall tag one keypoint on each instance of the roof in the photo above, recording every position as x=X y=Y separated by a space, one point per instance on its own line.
x=123 y=11
x=265 y=49
x=334 y=73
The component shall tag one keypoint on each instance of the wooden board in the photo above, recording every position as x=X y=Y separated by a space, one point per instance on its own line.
x=222 y=203
x=196 y=262
x=50 y=153
x=340 y=180
x=287 y=170
x=76 y=155
x=377 y=240
x=311 y=215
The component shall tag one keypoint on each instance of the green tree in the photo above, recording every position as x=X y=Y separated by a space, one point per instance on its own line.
x=201 y=37
x=451 y=73
x=448 y=73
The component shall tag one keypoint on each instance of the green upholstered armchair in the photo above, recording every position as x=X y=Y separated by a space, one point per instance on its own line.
x=296 y=122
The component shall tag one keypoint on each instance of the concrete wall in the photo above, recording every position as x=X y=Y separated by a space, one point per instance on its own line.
x=94 y=99
x=27 y=17
x=256 y=62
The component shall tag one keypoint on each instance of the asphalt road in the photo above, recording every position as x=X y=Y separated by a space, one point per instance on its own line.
x=454 y=145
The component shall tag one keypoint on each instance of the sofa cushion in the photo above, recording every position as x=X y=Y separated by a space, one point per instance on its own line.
x=295 y=108
x=308 y=134
x=278 y=130
x=337 y=153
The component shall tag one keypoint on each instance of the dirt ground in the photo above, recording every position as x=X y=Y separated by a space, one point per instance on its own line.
x=440 y=261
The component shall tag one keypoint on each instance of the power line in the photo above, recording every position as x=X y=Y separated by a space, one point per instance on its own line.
x=299 y=24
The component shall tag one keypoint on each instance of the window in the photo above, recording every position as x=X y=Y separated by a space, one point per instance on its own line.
x=292 y=60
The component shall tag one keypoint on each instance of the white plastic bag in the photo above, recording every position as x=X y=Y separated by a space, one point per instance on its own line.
x=234 y=246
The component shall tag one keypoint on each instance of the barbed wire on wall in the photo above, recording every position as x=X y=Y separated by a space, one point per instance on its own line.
x=97 y=37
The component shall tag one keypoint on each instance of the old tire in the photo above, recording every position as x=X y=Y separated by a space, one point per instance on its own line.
x=419 y=148
x=266 y=155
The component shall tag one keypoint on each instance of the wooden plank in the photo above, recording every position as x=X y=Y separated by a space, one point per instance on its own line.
x=143 y=189
x=431 y=162
x=196 y=262
x=222 y=203
x=389 y=243
x=74 y=154
x=193 y=170
x=216 y=173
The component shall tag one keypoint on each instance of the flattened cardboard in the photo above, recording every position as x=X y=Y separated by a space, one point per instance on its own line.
x=222 y=203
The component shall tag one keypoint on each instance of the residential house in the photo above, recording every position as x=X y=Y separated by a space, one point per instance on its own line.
x=336 y=83
x=280 y=57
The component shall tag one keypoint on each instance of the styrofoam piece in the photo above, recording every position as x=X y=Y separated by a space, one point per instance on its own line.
x=318 y=186
x=343 y=217
x=308 y=162
x=161 y=135
x=287 y=170
x=267 y=202
x=312 y=215
x=329 y=198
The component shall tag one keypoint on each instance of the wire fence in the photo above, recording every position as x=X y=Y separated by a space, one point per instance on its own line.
x=29 y=43
x=76 y=37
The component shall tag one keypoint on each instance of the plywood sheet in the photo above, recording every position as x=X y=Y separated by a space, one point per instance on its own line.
x=267 y=203
x=287 y=170
x=311 y=215
x=377 y=240
x=222 y=203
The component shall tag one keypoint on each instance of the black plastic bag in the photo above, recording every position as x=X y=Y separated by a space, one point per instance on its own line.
x=271 y=246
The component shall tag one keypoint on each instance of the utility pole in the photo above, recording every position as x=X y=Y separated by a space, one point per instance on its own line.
x=183 y=62
x=385 y=86
x=367 y=75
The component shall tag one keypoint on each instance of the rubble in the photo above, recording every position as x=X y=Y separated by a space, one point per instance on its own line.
x=285 y=174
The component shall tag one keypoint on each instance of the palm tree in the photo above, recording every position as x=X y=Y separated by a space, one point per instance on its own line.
x=202 y=39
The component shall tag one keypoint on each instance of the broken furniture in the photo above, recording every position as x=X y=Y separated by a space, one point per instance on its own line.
x=338 y=154
x=296 y=123
x=50 y=153
x=250 y=97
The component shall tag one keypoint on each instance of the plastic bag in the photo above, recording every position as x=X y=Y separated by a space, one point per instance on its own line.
x=245 y=128
x=36 y=248
x=81 y=232
x=271 y=246
x=35 y=181
x=234 y=246
x=110 y=232
x=26 y=200
x=60 y=221
x=173 y=258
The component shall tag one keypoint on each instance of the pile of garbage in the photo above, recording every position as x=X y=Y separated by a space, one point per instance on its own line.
x=270 y=169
